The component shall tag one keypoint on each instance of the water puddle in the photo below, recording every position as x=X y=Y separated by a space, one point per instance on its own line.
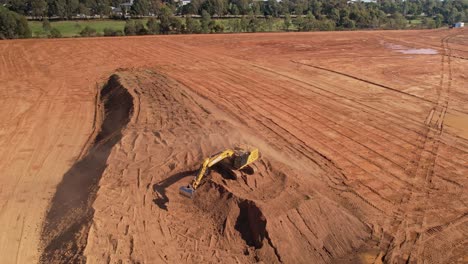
x=407 y=50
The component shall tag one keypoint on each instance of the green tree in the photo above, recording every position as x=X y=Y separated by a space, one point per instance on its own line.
x=254 y=23
x=325 y=25
x=140 y=28
x=196 y=5
x=316 y=8
x=220 y=7
x=244 y=24
x=299 y=22
x=234 y=10
x=46 y=25
x=244 y=6
x=55 y=33
x=398 y=21
x=334 y=15
x=140 y=7
x=428 y=23
x=439 y=20
x=71 y=8
x=218 y=28
x=270 y=22
x=130 y=29
x=309 y=23
x=18 y=6
x=287 y=21
x=205 y=21
x=83 y=9
x=13 y=25
x=348 y=23
x=234 y=25
x=176 y=25
x=153 y=26
x=38 y=8
x=155 y=6
x=256 y=8
x=100 y=7
x=271 y=8
x=88 y=32
x=110 y=32
x=57 y=8
x=285 y=7
x=192 y=25
x=164 y=18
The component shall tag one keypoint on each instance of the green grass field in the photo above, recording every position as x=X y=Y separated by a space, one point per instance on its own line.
x=415 y=22
x=73 y=28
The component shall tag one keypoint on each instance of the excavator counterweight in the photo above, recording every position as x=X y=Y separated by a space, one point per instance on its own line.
x=234 y=159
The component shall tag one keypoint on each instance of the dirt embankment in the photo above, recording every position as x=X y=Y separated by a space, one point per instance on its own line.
x=69 y=217
x=269 y=216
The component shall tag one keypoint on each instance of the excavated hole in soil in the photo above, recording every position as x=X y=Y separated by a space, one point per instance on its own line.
x=68 y=219
x=233 y=214
x=251 y=223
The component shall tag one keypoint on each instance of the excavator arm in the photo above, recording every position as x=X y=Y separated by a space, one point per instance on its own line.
x=208 y=163
x=236 y=159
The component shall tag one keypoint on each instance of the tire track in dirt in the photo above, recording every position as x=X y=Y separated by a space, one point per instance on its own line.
x=232 y=74
x=217 y=81
x=318 y=108
x=423 y=170
x=366 y=81
x=263 y=96
x=188 y=237
x=438 y=124
x=314 y=160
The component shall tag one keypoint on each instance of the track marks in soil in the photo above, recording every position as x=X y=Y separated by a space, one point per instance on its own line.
x=55 y=103
x=224 y=221
x=408 y=245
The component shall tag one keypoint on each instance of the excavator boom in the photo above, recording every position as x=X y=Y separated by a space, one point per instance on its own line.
x=238 y=159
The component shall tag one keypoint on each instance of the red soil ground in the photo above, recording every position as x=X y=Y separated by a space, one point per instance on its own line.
x=363 y=135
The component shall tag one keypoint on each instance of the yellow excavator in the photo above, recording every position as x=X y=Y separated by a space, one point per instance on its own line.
x=229 y=160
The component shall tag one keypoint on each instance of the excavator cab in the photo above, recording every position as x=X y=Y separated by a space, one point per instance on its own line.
x=243 y=158
x=232 y=160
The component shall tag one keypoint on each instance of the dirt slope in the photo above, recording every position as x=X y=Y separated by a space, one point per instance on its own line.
x=169 y=134
x=70 y=214
x=370 y=121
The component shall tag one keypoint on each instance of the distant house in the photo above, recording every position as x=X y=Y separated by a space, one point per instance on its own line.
x=184 y=2
x=365 y=1
x=459 y=25
x=117 y=11
x=125 y=7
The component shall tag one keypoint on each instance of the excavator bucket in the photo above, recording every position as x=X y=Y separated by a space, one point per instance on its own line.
x=187 y=191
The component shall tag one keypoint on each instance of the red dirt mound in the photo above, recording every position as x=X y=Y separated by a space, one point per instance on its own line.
x=70 y=214
x=267 y=216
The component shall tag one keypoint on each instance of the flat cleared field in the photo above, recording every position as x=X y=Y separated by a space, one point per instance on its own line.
x=363 y=139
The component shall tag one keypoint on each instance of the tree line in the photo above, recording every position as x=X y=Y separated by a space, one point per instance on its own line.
x=245 y=15
x=341 y=12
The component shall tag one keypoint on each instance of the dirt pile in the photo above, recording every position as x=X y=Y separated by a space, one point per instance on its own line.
x=69 y=217
x=266 y=216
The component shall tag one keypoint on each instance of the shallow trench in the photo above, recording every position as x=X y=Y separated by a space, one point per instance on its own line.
x=70 y=214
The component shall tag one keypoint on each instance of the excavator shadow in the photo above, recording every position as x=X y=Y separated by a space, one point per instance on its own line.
x=160 y=188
